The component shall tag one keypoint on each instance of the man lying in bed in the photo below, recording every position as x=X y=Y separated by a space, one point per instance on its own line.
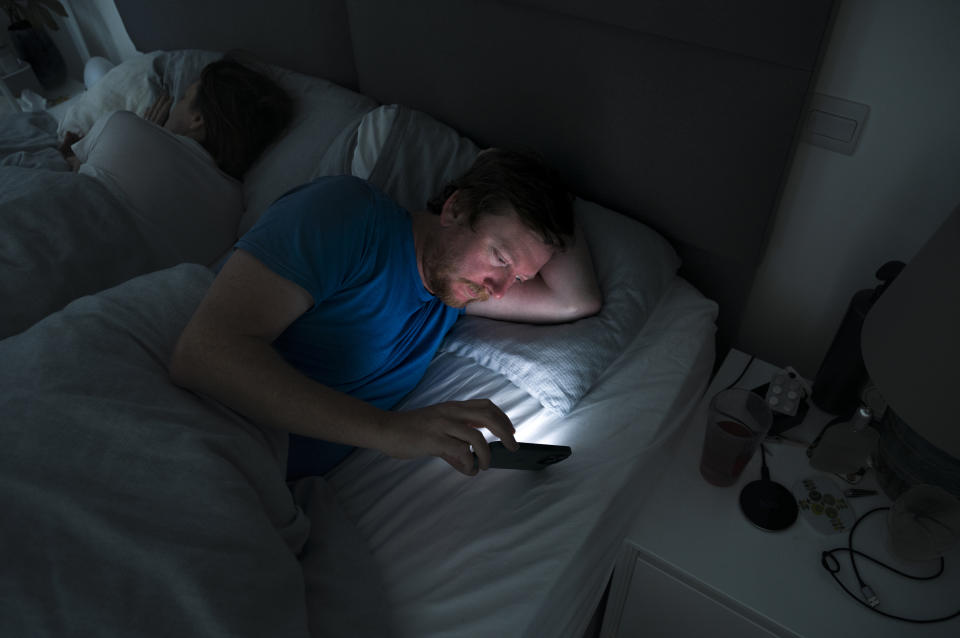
x=337 y=299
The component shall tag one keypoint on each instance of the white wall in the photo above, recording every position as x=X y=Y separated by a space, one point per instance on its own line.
x=842 y=216
x=103 y=30
x=92 y=28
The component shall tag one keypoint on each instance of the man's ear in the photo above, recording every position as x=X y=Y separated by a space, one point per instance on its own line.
x=450 y=214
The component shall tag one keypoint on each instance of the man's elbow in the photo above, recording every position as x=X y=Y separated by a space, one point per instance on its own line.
x=593 y=305
x=584 y=307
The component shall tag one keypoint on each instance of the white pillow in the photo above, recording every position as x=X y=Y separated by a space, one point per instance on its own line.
x=170 y=184
x=319 y=141
x=414 y=155
x=129 y=86
x=134 y=85
x=409 y=155
x=558 y=364
x=372 y=134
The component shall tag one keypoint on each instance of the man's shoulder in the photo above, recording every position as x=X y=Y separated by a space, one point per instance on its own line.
x=342 y=200
x=335 y=188
x=336 y=205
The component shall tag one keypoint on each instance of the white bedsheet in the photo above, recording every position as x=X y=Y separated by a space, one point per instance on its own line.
x=518 y=553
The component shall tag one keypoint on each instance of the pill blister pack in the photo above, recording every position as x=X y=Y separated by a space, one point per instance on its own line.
x=787 y=389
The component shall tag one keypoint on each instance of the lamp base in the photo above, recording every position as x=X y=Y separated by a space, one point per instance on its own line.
x=905 y=459
x=924 y=523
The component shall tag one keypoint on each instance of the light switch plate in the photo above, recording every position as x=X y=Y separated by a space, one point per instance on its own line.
x=834 y=123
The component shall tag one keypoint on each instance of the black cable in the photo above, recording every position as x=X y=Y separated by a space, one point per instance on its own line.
x=870 y=600
x=853 y=562
x=816 y=441
x=764 y=470
x=742 y=372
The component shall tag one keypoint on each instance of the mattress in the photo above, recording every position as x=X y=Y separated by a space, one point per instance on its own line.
x=529 y=553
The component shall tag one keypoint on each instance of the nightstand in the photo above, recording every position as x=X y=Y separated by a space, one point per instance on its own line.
x=693 y=565
x=14 y=80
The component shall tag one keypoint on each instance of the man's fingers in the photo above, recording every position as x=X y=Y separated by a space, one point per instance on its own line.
x=459 y=440
x=480 y=448
x=462 y=461
x=451 y=431
x=510 y=442
x=486 y=414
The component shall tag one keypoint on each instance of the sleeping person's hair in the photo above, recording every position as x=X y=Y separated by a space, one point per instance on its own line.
x=519 y=179
x=243 y=112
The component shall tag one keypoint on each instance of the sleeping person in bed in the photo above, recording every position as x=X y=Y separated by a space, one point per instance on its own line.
x=231 y=111
x=334 y=303
x=179 y=167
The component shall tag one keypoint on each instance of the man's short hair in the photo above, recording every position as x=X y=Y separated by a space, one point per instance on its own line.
x=502 y=178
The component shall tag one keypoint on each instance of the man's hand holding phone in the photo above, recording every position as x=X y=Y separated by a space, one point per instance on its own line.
x=451 y=431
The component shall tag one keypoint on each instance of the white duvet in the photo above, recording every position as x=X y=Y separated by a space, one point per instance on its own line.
x=137 y=508
x=514 y=553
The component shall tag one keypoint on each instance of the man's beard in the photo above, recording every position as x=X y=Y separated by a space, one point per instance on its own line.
x=440 y=270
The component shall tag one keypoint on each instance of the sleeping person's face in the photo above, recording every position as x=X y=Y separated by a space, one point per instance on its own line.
x=184 y=119
x=467 y=264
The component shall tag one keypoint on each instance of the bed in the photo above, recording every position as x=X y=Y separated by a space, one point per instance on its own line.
x=139 y=508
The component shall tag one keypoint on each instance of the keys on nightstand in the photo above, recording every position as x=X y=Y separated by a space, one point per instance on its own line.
x=855 y=492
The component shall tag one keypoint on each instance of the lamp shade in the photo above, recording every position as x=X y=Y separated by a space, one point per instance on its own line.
x=911 y=340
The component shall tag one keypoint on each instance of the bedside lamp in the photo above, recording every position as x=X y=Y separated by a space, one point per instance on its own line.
x=911 y=348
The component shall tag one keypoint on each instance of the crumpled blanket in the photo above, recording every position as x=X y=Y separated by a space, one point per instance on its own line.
x=133 y=507
x=62 y=235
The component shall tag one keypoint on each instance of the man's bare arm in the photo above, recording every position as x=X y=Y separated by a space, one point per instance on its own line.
x=225 y=352
x=565 y=289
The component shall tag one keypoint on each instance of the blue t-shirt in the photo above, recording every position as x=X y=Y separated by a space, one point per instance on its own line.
x=373 y=328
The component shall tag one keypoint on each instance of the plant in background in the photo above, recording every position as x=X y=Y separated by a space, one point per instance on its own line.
x=29 y=21
x=39 y=13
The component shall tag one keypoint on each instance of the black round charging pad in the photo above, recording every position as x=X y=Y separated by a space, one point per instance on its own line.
x=768 y=505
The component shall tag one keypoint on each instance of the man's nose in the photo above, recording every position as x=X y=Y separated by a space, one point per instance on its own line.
x=499 y=285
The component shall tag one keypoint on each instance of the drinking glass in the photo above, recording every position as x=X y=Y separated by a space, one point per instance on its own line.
x=737 y=422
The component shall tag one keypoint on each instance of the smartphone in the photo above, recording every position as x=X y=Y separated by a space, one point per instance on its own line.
x=530 y=456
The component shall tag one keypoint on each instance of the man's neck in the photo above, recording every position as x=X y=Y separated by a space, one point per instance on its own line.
x=424 y=225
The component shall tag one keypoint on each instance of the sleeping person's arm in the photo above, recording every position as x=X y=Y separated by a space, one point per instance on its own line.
x=225 y=352
x=159 y=111
x=565 y=289
x=66 y=149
